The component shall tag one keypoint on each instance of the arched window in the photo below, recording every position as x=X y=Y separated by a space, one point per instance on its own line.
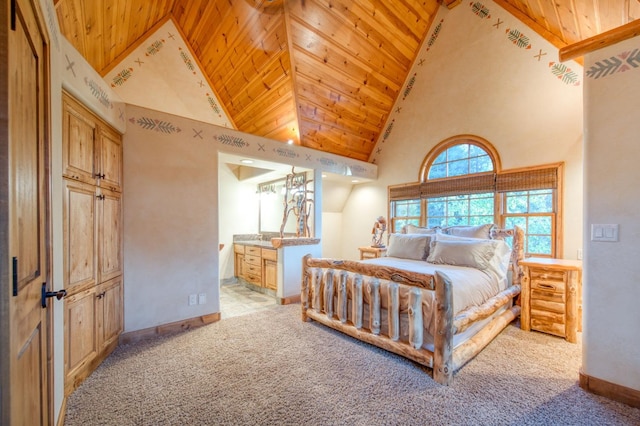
x=458 y=182
x=461 y=183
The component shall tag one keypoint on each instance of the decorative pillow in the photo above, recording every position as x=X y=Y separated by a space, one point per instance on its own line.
x=474 y=254
x=413 y=229
x=501 y=251
x=478 y=231
x=409 y=246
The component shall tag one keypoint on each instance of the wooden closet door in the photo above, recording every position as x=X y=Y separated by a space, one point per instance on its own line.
x=110 y=160
x=79 y=230
x=109 y=235
x=28 y=222
x=78 y=142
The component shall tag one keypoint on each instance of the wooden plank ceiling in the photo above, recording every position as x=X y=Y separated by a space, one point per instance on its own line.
x=324 y=73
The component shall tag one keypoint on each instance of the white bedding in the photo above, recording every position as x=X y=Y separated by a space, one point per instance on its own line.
x=471 y=287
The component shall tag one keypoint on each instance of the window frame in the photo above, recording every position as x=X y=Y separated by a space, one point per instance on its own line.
x=416 y=190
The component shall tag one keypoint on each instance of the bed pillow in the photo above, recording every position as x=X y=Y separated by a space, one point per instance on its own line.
x=474 y=254
x=501 y=251
x=413 y=229
x=470 y=231
x=409 y=246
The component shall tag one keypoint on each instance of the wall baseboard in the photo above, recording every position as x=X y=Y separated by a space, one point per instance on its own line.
x=289 y=300
x=173 y=327
x=610 y=390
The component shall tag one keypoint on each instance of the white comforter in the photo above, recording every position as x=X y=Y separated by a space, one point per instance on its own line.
x=471 y=287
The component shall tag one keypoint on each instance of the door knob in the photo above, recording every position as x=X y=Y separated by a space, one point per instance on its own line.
x=46 y=294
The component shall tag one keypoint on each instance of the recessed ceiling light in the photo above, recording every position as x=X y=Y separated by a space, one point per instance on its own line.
x=323 y=175
x=246 y=161
x=355 y=181
x=290 y=141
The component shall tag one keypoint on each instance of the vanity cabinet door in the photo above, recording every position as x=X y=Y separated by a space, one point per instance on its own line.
x=238 y=260
x=270 y=268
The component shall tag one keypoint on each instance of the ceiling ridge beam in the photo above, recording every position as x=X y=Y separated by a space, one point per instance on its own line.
x=293 y=77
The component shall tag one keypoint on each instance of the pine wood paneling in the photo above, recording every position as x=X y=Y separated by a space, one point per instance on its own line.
x=324 y=73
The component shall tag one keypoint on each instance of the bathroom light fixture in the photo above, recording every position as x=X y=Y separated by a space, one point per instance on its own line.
x=246 y=161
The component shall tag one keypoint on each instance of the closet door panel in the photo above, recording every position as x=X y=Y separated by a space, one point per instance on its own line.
x=110 y=160
x=80 y=262
x=109 y=235
x=78 y=143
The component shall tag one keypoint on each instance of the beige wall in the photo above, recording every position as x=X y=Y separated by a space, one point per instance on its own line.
x=170 y=221
x=474 y=80
x=611 y=350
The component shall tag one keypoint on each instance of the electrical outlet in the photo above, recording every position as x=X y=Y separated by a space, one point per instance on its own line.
x=193 y=299
x=579 y=254
x=202 y=298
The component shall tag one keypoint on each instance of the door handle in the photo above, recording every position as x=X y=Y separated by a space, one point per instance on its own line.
x=46 y=294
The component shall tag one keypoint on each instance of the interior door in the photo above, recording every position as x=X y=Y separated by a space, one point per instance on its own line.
x=28 y=245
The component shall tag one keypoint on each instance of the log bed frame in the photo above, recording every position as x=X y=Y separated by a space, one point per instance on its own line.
x=444 y=360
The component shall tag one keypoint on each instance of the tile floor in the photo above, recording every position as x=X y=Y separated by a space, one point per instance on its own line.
x=236 y=299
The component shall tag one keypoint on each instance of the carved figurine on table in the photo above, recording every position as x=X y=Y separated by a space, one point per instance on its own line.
x=378 y=230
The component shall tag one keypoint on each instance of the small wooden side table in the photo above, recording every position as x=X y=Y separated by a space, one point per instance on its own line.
x=368 y=252
x=552 y=296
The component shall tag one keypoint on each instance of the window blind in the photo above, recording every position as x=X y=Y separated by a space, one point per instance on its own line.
x=460 y=185
x=545 y=178
x=404 y=192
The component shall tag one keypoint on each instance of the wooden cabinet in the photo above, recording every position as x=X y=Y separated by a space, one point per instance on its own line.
x=92 y=217
x=91 y=151
x=256 y=265
x=552 y=297
x=253 y=265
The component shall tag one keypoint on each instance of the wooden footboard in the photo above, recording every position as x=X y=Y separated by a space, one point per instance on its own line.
x=325 y=298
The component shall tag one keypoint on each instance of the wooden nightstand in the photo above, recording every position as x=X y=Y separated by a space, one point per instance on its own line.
x=368 y=252
x=552 y=296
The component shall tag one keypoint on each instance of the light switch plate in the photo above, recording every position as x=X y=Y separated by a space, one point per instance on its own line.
x=604 y=232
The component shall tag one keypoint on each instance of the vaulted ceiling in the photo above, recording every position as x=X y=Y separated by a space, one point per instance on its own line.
x=324 y=73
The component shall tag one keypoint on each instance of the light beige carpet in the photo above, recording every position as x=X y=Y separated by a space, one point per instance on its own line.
x=270 y=368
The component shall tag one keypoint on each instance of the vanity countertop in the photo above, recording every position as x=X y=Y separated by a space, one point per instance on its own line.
x=258 y=243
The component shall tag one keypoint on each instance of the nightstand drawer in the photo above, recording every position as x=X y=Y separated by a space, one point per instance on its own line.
x=547 y=285
x=547 y=275
x=544 y=316
x=545 y=305
x=548 y=327
x=548 y=296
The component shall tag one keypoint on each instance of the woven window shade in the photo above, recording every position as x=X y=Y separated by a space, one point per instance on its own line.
x=528 y=180
x=404 y=192
x=457 y=186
